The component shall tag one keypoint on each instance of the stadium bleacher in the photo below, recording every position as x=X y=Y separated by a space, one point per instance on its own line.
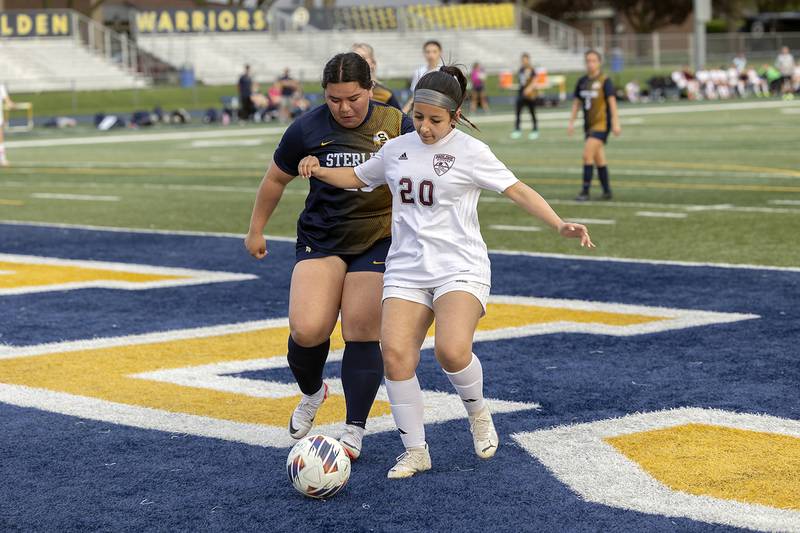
x=218 y=58
x=59 y=63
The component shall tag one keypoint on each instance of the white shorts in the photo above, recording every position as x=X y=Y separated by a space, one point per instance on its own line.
x=428 y=296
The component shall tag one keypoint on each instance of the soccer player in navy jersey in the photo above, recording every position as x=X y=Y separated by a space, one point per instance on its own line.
x=595 y=93
x=342 y=240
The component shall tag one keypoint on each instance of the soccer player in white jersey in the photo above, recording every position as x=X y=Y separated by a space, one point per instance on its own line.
x=438 y=265
x=5 y=101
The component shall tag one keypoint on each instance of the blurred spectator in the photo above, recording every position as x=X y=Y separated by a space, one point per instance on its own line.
x=785 y=65
x=773 y=77
x=246 y=107
x=288 y=87
x=380 y=92
x=478 y=98
x=433 y=60
x=740 y=62
x=5 y=102
x=756 y=84
x=633 y=91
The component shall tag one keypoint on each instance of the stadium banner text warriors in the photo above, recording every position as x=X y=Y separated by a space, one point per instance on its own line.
x=199 y=20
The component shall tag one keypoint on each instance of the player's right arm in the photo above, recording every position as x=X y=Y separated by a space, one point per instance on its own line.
x=267 y=198
x=572 y=116
x=342 y=177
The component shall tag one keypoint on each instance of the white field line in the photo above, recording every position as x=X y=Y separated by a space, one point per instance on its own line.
x=503 y=227
x=154 y=186
x=74 y=197
x=660 y=214
x=638 y=205
x=790 y=111
x=735 y=266
x=145 y=137
x=253 y=132
x=783 y=202
x=600 y=221
x=222 y=142
x=633 y=111
x=533 y=169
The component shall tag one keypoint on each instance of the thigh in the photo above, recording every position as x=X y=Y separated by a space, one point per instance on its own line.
x=457 y=315
x=600 y=154
x=314 y=299
x=403 y=328
x=361 y=306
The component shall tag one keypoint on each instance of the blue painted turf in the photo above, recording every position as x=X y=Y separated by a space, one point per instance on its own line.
x=63 y=473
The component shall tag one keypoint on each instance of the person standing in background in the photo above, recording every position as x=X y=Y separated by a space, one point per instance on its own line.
x=246 y=106
x=380 y=92
x=526 y=97
x=595 y=93
x=433 y=59
x=5 y=102
x=478 y=79
x=785 y=65
x=289 y=86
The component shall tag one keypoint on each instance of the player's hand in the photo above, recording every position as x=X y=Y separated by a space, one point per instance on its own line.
x=616 y=130
x=570 y=129
x=256 y=244
x=576 y=231
x=308 y=166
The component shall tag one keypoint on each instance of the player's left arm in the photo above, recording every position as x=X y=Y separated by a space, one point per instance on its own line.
x=610 y=92
x=532 y=202
x=616 y=128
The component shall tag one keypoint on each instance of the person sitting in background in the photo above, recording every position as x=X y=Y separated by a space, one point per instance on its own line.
x=633 y=92
x=773 y=77
x=756 y=84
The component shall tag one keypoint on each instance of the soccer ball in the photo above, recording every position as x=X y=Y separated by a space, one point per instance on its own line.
x=318 y=466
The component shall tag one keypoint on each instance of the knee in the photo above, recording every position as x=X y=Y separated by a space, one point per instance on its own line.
x=453 y=357
x=361 y=329
x=396 y=363
x=308 y=335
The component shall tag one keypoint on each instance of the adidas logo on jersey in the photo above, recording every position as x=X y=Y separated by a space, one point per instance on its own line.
x=403 y=157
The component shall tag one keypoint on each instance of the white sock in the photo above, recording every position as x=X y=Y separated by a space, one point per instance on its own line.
x=2 y=152
x=408 y=409
x=469 y=385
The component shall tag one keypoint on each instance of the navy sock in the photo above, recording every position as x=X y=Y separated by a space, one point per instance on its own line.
x=588 y=170
x=602 y=173
x=307 y=364
x=362 y=372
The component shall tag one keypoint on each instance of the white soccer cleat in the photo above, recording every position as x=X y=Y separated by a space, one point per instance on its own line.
x=412 y=461
x=302 y=418
x=484 y=436
x=351 y=441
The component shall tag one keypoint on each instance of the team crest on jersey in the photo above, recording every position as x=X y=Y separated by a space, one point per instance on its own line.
x=596 y=85
x=442 y=163
x=380 y=138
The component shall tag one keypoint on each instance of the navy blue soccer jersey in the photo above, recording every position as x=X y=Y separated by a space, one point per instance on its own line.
x=341 y=221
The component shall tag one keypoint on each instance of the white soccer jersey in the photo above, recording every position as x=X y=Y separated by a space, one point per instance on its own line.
x=3 y=93
x=436 y=237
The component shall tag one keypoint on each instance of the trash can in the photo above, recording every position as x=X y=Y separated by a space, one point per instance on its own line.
x=187 y=76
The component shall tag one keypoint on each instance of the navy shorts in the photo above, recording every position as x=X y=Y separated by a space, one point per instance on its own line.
x=371 y=260
x=602 y=135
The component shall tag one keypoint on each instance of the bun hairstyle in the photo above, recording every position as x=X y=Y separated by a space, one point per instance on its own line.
x=347 y=67
x=451 y=82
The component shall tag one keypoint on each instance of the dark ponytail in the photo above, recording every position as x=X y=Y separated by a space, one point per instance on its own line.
x=451 y=81
x=347 y=67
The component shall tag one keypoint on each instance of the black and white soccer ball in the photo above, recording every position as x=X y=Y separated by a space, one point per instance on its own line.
x=318 y=466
